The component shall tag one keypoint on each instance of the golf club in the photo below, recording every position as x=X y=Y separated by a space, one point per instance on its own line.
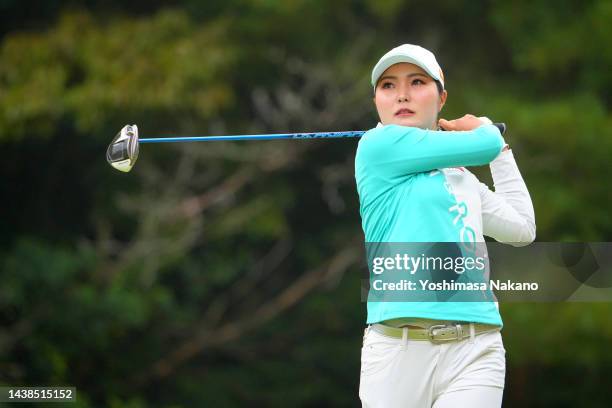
x=123 y=150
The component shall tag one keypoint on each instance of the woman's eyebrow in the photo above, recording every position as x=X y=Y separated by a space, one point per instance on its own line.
x=409 y=76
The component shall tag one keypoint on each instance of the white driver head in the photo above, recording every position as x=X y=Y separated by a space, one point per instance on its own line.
x=123 y=150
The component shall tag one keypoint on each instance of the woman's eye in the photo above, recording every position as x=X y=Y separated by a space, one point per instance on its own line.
x=417 y=82
x=386 y=84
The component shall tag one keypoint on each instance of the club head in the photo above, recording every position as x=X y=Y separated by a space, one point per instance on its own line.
x=122 y=152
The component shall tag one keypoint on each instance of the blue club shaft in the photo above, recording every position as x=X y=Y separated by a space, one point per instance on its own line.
x=319 y=135
x=316 y=135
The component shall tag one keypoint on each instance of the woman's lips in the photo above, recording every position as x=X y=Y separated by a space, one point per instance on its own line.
x=404 y=112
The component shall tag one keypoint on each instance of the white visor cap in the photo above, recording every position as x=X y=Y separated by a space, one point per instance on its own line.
x=413 y=54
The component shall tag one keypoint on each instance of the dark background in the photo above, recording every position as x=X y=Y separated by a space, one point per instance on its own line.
x=228 y=274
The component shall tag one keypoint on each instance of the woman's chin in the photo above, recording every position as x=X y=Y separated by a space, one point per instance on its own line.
x=406 y=121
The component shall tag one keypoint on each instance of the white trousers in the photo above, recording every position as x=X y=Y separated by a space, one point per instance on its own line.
x=412 y=373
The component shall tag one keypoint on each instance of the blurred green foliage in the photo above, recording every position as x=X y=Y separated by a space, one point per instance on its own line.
x=200 y=279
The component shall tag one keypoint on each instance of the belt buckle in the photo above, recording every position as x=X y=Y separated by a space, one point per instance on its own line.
x=430 y=333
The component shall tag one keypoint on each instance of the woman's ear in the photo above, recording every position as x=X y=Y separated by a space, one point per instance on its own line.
x=442 y=101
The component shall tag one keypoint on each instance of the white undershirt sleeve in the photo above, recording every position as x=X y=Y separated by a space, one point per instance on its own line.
x=507 y=213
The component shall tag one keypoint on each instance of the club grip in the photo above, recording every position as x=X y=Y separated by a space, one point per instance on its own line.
x=501 y=126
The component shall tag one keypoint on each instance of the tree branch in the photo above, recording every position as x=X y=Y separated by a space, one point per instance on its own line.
x=247 y=322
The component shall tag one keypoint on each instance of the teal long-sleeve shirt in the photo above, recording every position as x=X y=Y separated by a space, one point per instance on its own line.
x=412 y=188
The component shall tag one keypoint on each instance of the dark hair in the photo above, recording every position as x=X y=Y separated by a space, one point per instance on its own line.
x=440 y=87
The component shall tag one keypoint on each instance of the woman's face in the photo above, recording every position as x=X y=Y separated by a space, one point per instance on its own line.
x=405 y=95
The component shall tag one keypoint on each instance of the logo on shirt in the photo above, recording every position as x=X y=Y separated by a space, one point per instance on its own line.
x=467 y=235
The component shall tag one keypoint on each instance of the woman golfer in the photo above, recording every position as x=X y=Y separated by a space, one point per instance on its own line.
x=413 y=187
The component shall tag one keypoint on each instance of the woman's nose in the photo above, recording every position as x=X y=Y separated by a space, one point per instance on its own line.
x=403 y=94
